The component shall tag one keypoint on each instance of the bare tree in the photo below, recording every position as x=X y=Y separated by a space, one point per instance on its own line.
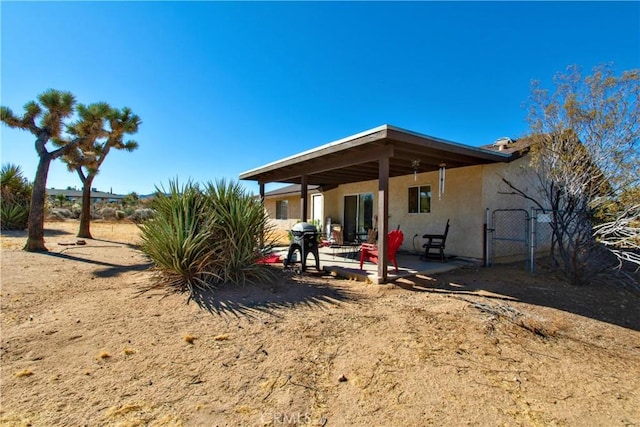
x=45 y=120
x=87 y=158
x=586 y=140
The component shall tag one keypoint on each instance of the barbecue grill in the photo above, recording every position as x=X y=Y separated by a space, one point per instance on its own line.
x=304 y=240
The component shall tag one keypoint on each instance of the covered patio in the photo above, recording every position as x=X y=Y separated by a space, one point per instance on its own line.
x=377 y=154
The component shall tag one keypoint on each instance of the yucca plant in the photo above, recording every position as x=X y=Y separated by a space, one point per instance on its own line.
x=14 y=216
x=200 y=239
x=178 y=238
x=239 y=223
x=16 y=195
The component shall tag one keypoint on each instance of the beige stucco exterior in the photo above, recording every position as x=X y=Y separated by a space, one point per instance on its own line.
x=468 y=193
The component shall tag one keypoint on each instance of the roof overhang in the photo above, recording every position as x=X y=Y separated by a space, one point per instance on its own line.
x=355 y=158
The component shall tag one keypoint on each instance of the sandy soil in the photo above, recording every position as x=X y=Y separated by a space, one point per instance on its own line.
x=82 y=345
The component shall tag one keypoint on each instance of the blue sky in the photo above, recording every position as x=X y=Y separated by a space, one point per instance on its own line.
x=225 y=87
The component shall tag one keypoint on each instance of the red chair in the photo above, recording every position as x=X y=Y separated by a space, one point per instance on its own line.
x=370 y=252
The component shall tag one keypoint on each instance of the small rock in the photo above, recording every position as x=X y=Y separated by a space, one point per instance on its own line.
x=342 y=378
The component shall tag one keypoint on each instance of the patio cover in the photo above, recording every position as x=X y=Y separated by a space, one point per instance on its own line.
x=376 y=154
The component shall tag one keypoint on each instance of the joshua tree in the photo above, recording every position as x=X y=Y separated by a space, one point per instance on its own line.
x=86 y=158
x=45 y=120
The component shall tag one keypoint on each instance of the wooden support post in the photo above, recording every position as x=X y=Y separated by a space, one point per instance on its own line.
x=261 y=185
x=383 y=218
x=303 y=198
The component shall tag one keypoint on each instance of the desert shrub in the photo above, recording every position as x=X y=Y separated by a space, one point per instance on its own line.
x=200 y=239
x=76 y=210
x=144 y=214
x=15 y=191
x=61 y=213
x=120 y=215
x=108 y=213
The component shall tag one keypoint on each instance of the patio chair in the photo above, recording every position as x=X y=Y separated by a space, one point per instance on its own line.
x=437 y=242
x=370 y=252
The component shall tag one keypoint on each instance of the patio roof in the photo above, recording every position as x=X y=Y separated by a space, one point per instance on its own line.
x=355 y=158
x=291 y=190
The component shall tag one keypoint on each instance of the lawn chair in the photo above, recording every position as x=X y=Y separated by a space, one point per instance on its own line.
x=436 y=241
x=370 y=252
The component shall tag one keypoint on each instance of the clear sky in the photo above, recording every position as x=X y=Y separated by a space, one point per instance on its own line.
x=225 y=87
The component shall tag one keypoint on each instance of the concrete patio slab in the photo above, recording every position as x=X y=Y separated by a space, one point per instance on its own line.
x=344 y=261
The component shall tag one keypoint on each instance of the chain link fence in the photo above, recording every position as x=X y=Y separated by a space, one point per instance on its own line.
x=518 y=235
x=508 y=235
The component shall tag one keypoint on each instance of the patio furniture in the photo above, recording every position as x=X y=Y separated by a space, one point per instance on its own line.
x=370 y=252
x=336 y=234
x=437 y=242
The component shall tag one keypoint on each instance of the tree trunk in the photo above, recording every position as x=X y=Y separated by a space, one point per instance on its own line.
x=85 y=216
x=35 y=239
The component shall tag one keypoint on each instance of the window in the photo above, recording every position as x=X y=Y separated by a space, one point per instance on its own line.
x=282 y=209
x=420 y=199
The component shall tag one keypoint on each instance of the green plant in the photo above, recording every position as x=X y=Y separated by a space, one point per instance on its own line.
x=177 y=240
x=199 y=239
x=239 y=224
x=14 y=216
x=16 y=195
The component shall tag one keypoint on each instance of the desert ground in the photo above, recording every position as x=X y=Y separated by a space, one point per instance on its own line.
x=88 y=340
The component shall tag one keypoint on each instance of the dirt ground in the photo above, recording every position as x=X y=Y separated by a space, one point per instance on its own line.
x=82 y=345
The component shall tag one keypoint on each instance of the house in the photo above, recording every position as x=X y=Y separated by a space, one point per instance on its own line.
x=389 y=177
x=76 y=196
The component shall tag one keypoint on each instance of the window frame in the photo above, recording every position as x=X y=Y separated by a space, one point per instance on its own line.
x=417 y=202
x=279 y=209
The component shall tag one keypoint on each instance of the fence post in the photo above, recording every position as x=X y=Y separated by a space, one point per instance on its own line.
x=533 y=241
x=486 y=238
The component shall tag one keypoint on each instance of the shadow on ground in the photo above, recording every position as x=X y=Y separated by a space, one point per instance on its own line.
x=606 y=302
x=287 y=291
x=47 y=233
x=110 y=270
x=115 y=242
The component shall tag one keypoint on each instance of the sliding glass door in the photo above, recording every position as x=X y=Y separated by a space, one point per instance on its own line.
x=358 y=216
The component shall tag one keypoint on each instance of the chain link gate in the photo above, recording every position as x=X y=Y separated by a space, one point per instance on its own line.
x=541 y=234
x=508 y=235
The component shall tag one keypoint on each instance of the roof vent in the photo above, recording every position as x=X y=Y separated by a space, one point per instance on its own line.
x=503 y=142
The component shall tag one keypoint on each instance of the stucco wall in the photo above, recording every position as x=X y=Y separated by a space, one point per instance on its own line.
x=460 y=203
x=517 y=172
x=281 y=227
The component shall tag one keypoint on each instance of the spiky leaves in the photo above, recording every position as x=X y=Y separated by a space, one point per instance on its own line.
x=200 y=239
x=179 y=238
x=15 y=192
x=239 y=222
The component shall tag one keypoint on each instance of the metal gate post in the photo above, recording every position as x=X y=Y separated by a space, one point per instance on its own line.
x=487 y=230
x=533 y=241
